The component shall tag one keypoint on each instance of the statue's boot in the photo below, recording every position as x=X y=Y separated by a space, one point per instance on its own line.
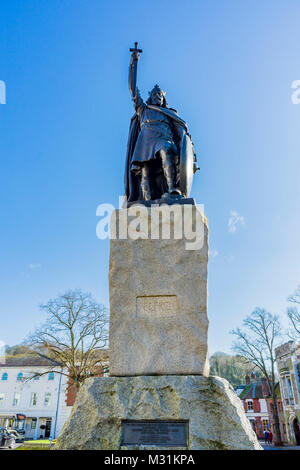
x=145 y=184
x=169 y=169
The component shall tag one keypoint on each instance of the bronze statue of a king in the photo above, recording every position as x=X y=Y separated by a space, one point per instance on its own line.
x=160 y=160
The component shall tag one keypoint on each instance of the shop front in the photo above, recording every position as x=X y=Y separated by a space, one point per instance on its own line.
x=38 y=427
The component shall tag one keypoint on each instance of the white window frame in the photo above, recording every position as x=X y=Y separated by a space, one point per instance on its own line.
x=2 y=399
x=47 y=399
x=15 y=401
x=33 y=423
x=288 y=392
x=33 y=395
x=265 y=424
x=251 y=402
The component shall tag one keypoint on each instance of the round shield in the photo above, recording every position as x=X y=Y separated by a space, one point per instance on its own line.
x=186 y=165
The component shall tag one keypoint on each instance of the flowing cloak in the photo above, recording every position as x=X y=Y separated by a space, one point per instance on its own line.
x=132 y=180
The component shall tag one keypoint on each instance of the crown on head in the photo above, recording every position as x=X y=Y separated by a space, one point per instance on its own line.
x=157 y=88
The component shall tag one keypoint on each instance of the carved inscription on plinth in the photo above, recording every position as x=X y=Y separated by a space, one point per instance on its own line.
x=156 y=306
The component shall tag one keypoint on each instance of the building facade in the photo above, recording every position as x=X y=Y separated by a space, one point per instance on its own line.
x=288 y=366
x=36 y=407
x=255 y=405
x=258 y=406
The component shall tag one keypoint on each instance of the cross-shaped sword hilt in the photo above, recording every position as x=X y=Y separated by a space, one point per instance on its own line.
x=135 y=49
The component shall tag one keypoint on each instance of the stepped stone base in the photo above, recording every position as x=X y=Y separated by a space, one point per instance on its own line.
x=217 y=420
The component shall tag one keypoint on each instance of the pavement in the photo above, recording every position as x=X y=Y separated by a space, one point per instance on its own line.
x=16 y=446
x=262 y=443
x=272 y=447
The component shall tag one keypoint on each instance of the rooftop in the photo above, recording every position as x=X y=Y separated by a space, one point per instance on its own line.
x=28 y=361
x=35 y=359
x=254 y=390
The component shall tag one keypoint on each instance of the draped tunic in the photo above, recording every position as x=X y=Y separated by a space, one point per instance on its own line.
x=155 y=134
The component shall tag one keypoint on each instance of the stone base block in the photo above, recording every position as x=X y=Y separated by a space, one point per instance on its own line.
x=158 y=296
x=216 y=418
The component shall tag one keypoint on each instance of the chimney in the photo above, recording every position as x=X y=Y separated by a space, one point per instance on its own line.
x=265 y=387
x=247 y=380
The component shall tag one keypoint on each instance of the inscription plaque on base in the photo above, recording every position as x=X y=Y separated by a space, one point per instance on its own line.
x=155 y=432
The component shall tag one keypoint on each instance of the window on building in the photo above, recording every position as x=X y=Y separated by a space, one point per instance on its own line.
x=17 y=399
x=287 y=390
x=2 y=398
x=33 y=423
x=265 y=424
x=5 y=376
x=21 y=425
x=20 y=376
x=290 y=390
x=47 y=399
x=33 y=400
x=51 y=376
x=250 y=405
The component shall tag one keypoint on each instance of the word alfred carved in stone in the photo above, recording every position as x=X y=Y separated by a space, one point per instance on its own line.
x=152 y=306
x=155 y=432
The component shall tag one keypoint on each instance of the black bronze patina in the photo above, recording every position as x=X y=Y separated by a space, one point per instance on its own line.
x=160 y=156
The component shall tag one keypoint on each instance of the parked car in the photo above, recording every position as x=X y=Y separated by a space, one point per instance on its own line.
x=20 y=431
x=7 y=439
x=18 y=436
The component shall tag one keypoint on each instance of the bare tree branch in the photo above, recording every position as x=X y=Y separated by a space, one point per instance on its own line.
x=294 y=315
x=75 y=332
x=255 y=343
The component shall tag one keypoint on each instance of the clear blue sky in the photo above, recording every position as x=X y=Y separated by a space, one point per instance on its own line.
x=227 y=67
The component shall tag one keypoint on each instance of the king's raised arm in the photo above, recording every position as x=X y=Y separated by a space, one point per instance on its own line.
x=135 y=56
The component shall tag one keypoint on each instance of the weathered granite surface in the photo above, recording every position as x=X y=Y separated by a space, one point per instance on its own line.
x=158 y=299
x=216 y=416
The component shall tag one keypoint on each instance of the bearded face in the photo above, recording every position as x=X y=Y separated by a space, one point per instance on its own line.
x=157 y=96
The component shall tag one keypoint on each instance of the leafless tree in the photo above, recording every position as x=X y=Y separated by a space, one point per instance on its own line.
x=294 y=315
x=256 y=343
x=74 y=335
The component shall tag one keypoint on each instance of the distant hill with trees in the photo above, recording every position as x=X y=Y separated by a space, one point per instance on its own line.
x=231 y=368
x=18 y=350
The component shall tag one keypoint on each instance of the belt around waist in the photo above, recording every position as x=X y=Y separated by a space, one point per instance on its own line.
x=155 y=123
